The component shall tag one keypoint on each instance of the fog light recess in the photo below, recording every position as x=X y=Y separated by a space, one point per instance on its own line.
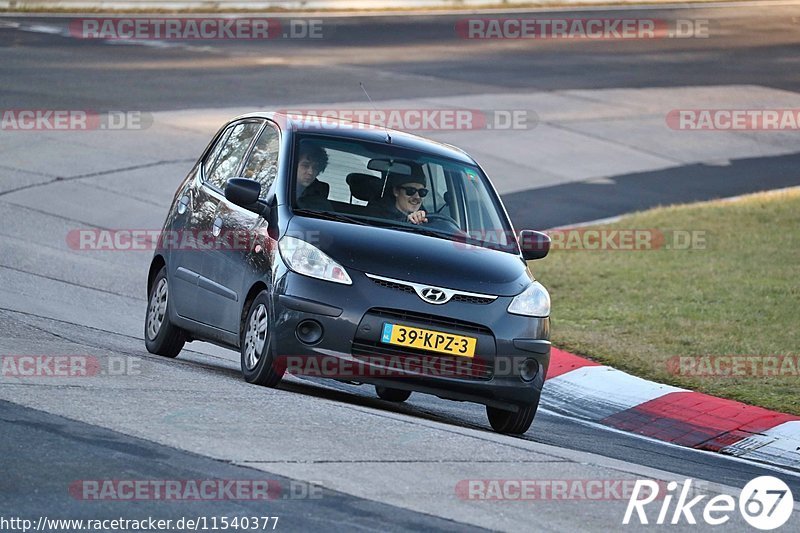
x=309 y=331
x=528 y=369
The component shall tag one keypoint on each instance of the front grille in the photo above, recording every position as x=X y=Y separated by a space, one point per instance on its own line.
x=431 y=320
x=423 y=363
x=471 y=299
x=409 y=288
x=393 y=285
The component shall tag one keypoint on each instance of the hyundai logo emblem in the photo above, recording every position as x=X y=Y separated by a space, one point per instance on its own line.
x=434 y=295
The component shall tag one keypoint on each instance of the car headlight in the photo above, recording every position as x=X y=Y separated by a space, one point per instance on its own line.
x=533 y=301
x=308 y=260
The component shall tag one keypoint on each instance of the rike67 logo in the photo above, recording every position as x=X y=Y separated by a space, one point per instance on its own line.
x=765 y=503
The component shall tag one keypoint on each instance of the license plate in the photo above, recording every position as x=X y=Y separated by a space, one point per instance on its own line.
x=425 y=339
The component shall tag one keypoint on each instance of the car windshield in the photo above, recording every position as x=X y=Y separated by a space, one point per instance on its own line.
x=383 y=185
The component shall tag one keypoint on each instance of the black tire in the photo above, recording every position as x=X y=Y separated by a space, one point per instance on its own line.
x=509 y=422
x=257 y=354
x=161 y=336
x=392 y=395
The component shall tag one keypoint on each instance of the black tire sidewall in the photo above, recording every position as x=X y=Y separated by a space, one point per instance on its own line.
x=512 y=423
x=392 y=395
x=170 y=339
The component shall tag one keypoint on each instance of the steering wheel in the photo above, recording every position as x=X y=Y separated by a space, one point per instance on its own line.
x=439 y=220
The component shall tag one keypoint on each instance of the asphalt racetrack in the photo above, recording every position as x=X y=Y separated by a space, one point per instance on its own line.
x=595 y=143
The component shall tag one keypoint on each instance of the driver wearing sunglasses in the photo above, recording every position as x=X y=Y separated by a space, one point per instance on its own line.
x=407 y=193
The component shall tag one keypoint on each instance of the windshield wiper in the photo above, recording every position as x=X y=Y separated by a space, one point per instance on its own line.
x=414 y=228
x=382 y=222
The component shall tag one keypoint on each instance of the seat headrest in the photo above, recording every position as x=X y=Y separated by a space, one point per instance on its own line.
x=365 y=187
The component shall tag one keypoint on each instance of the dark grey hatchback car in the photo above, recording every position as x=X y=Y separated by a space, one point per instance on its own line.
x=352 y=252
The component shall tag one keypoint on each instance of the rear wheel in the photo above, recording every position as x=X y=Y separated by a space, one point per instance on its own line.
x=161 y=336
x=258 y=359
x=392 y=395
x=513 y=423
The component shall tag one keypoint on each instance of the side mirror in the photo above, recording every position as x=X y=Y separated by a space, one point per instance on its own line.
x=244 y=192
x=534 y=244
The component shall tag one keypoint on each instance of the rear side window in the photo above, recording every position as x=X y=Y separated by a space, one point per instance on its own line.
x=340 y=165
x=228 y=157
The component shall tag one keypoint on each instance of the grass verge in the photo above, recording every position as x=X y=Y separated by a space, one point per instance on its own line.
x=729 y=303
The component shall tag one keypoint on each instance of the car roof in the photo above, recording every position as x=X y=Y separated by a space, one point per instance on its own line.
x=341 y=128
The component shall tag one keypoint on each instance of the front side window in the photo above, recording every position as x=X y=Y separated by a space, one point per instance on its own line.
x=230 y=154
x=262 y=165
x=384 y=185
x=213 y=155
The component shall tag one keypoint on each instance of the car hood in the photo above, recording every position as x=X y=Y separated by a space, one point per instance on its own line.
x=414 y=257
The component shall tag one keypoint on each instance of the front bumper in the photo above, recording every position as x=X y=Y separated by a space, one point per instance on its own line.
x=350 y=349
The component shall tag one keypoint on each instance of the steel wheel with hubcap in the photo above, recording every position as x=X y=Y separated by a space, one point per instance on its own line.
x=258 y=360
x=161 y=336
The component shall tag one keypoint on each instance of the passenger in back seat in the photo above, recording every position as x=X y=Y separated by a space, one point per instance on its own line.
x=312 y=193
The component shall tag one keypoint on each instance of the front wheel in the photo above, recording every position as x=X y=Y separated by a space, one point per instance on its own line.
x=392 y=395
x=161 y=336
x=258 y=359
x=512 y=423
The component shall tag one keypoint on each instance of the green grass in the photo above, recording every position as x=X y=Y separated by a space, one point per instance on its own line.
x=740 y=295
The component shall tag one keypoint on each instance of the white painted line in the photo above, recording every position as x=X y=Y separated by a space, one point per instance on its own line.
x=54 y=30
x=43 y=28
x=598 y=222
x=133 y=42
x=596 y=392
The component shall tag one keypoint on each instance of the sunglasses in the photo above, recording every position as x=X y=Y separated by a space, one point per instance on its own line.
x=411 y=191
